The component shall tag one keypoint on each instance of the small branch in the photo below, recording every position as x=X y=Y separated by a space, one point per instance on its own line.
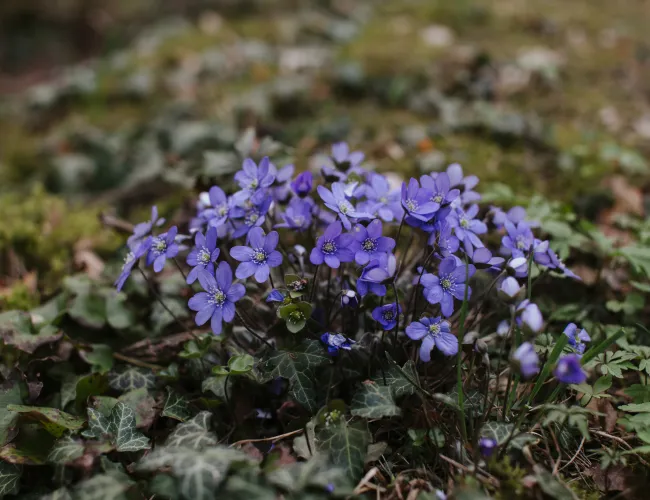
x=136 y=362
x=115 y=223
x=272 y=439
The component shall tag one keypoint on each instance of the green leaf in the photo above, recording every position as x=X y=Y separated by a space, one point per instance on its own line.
x=639 y=393
x=89 y=310
x=99 y=356
x=23 y=455
x=499 y=431
x=9 y=478
x=636 y=408
x=613 y=363
x=346 y=445
x=131 y=378
x=117 y=314
x=217 y=385
x=600 y=348
x=107 y=486
x=10 y=394
x=79 y=388
x=316 y=473
x=99 y=426
x=399 y=380
x=65 y=450
x=374 y=401
x=194 y=434
x=123 y=425
x=242 y=363
x=552 y=486
x=55 y=421
x=597 y=391
x=60 y=494
x=16 y=330
x=176 y=406
x=297 y=366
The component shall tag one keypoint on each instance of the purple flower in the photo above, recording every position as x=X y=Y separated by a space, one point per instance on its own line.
x=483 y=259
x=336 y=341
x=254 y=216
x=530 y=316
x=281 y=190
x=503 y=328
x=258 y=258
x=387 y=315
x=417 y=202
x=336 y=200
x=297 y=215
x=449 y=284
x=162 y=247
x=142 y=230
x=220 y=206
x=569 y=371
x=465 y=184
x=252 y=177
x=380 y=201
x=217 y=303
x=204 y=253
x=577 y=339
x=302 y=184
x=467 y=228
x=518 y=240
x=546 y=257
x=441 y=194
x=434 y=332
x=487 y=446
x=443 y=237
x=514 y=215
x=333 y=247
x=349 y=298
x=130 y=260
x=509 y=289
x=526 y=360
x=368 y=242
x=345 y=159
x=275 y=296
x=375 y=274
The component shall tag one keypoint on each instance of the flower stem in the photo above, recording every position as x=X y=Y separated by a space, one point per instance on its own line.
x=396 y=311
x=313 y=285
x=180 y=269
x=249 y=330
x=459 y=358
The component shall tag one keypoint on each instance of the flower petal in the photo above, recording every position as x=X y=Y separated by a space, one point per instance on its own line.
x=416 y=330
x=205 y=314
x=447 y=343
x=245 y=270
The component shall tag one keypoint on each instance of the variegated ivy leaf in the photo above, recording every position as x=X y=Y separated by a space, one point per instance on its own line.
x=193 y=434
x=60 y=494
x=316 y=473
x=176 y=406
x=499 y=431
x=9 y=477
x=131 y=378
x=65 y=450
x=99 y=426
x=125 y=435
x=397 y=380
x=346 y=445
x=107 y=486
x=374 y=401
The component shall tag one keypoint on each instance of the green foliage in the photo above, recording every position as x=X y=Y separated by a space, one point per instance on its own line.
x=54 y=421
x=374 y=401
x=346 y=444
x=572 y=416
x=9 y=477
x=176 y=406
x=194 y=434
x=597 y=390
x=119 y=427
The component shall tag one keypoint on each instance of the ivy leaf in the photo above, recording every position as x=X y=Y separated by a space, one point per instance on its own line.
x=346 y=445
x=131 y=378
x=397 y=379
x=217 y=385
x=55 y=421
x=99 y=356
x=126 y=437
x=23 y=456
x=107 y=486
x=193 y=434
x=9 y=477
x=499 y=431
x=374 y=401
x=117 y=314
x=60 y=494
x=89 y=310
x=9 y=395
x=65 y=450
x=297 y=366
x=241 y=364
x=16 y=330
x=79 y=388
x=99 y=426
x=314 y=473
x=176 y=406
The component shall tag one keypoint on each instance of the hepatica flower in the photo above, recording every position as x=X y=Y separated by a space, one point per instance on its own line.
x=253 y=177
x=375 y=274
x=577 y=339
x=368 y=242
x=344 y=159
x=337 y=201
x=302 y=184
x=203 y=255
x=417 y=203
x=387 y=315
x=569 y=371
x=467 y=228
x=380 y=200
x=162 y=247
x=143 y=229
x=441 y=194
x=509 y=289
x=219 y=211
x=297 y=215
x=526 y=360
x=258 y=258
x=530 y=316
x=349 y=298
x=253 y=216
x=333 y=247
x=217 y=302
x=449 y=284
x=335 y=342
x=518 y=240
x=130 y=260
x=434 y=332
x=443 y=238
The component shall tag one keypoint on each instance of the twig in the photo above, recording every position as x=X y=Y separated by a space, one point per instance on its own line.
x=248 y=329
x=574 y=456
x=272 y=439
x=136 y=362
x=484 y=477
x=115 y=223
x=365 y=482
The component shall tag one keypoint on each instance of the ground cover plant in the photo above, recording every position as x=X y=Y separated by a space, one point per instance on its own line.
x=327 y=334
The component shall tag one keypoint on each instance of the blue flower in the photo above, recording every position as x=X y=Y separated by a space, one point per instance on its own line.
x=467 y=228
x=220 y=207
x=417 y=203
x=368 y=242
x=162 y=247
x=434 y=332
x=526 y=360
x=275 y=296
x=530 y=317
x=143 y=229
x=302 y=184
x=545 y=256
x=515 y=215
x=487 y=446
x=375 y=274
x=577 y=339
x=518 y=240
x=569 y=371
x=252 y=177
x=345 y=159
x=281 y=190
x=335 y=342
x=380 y=200
x=254 y=215
x=258 y=258
x=441 y=194
x=465 y=184
x=448 y=285
x=333 y=247
x=130 y=260
x=203 y=255
x=443 y=237
x=336 y=200
x=297 y=215
x=217 y=303
x=387 y=315
x=509 y=289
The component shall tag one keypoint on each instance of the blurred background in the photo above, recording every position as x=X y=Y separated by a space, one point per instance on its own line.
x=107 y=106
